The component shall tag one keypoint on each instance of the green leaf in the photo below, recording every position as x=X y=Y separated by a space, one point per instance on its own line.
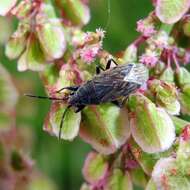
x=95 y=167
x=71 y=122
x=119 y=181
x=6 y=5
x=151 y=127
x=171 y=11
x=105 y=127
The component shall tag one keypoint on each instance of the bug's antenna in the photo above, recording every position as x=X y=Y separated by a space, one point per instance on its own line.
x=44 y=97
x=62 y=119
x=109 y=14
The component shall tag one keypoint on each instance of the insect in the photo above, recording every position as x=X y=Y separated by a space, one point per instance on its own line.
x=112 y=85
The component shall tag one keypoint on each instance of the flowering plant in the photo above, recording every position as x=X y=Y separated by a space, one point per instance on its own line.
x=145 y=143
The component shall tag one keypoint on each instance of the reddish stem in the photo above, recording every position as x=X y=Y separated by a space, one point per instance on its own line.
x=139 y=40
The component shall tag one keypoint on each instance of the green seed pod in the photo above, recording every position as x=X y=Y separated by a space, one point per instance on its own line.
x=130 y=54
x=76 y=11
x=95 y=167
x=71 y=125
x=119 y=181
x=165 y=95
x=33 y=57
x=159 y=68
x=183 y=76
x=23 y=9
x=186 y=27
x=184 y=98
x=6 y=5
x=167 y=75
x=106 y=134
x=50 y=33
x=17 y=43
x=151 y=127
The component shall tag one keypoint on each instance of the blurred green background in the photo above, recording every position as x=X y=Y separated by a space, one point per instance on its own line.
x=60 y=160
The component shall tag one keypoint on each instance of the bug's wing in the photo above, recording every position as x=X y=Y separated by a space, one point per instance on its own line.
x=119 y=82
x=112 y=88
x=120 y=90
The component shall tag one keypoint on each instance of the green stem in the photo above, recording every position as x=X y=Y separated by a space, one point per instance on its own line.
x=167 y=27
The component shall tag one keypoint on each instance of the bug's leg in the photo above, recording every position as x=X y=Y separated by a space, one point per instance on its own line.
x=62 y=119
x=72 y=88
x=109 y=63
x=98 y=69
x=79 y=108
x=118 y=103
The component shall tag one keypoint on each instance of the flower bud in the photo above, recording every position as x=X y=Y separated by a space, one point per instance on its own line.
x=165 y=95
x=151 y=127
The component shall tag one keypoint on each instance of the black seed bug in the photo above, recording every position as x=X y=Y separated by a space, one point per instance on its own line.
x=111 y=85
